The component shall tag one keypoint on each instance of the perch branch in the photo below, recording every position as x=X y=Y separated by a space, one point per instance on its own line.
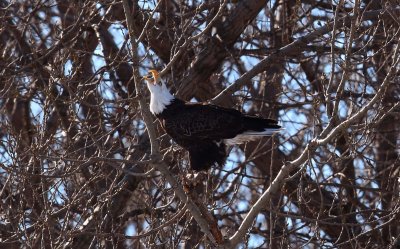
x=155 y=152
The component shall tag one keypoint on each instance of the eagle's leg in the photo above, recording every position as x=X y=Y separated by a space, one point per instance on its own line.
x=207 y=153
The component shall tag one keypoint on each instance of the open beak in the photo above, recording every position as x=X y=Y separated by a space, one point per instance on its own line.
x=149 y=78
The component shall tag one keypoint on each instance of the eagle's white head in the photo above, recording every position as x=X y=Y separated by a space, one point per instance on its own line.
x=160 y=95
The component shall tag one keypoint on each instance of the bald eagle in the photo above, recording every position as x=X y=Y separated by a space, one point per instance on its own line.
x=204 y=130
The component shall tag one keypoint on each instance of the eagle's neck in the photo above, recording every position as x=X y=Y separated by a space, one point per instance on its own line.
x=159 y=99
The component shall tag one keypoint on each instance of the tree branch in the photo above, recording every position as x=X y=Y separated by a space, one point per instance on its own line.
x=310 y=148
x=291 y=50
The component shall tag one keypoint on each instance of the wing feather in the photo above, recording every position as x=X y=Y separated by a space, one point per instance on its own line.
x=204 y=122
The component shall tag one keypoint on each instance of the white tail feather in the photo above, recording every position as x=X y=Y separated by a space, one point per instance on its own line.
x=266 y=132
x=251 y=136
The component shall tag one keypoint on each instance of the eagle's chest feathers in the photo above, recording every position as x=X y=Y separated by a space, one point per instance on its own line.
x=173 y=121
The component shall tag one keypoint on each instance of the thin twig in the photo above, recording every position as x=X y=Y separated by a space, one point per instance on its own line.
x=191 y=39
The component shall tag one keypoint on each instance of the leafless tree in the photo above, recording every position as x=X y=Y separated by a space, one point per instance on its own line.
x=83 y=164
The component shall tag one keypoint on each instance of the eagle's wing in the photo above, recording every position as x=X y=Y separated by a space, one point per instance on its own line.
x=204 y=122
